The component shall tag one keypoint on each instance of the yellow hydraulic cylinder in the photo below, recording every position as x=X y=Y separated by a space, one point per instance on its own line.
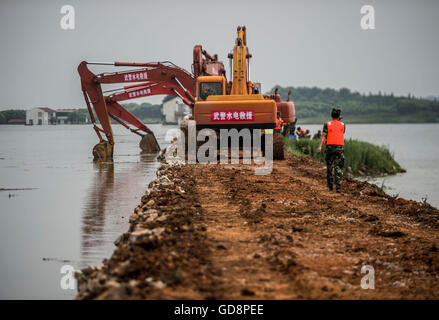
x=240 y=54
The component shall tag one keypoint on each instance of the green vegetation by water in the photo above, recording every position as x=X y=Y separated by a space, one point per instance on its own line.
x=313 y=105
x=361 y=158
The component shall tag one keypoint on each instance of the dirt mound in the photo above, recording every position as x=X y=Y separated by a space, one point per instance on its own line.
x=221 y=232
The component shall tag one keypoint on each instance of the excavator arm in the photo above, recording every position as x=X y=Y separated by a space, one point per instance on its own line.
x=150 y=79
x=149 y=89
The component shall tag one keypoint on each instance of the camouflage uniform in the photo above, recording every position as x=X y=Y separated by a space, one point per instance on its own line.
x=334 y=156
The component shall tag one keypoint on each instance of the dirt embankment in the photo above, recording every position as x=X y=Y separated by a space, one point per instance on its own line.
x=221 y=232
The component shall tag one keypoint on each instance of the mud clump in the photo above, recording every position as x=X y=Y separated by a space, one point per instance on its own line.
x=221 y=232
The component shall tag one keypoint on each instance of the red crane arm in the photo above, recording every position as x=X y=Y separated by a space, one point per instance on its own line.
x=149 y=89
x=118 y=113
x=93 y=93
x=158 y=72
x=156 y=78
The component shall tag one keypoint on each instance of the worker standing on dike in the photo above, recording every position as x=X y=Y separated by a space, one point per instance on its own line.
x=333 y=137
x=279 y=123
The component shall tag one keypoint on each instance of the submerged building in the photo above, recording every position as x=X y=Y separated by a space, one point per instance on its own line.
x=40 y=116
x=173 y=111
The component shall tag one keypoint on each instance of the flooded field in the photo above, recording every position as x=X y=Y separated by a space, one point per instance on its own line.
x=71 y=209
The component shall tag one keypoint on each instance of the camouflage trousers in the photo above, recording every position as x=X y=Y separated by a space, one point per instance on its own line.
x=334 y=166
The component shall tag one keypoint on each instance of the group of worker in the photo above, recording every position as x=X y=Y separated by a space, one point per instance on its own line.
x=279 y=123
x=300 y=133
x=333 y=138
x=305 y=134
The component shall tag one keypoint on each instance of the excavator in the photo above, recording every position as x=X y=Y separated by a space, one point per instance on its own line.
x=215 y=102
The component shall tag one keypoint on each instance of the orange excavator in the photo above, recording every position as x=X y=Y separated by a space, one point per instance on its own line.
x=215 y=102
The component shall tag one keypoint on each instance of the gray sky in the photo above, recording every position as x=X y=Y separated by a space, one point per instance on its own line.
x=297 y=43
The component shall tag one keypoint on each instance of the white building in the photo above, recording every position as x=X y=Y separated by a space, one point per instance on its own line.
x=40 y=116
x=173 y=111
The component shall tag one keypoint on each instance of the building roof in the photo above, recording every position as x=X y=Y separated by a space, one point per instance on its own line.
x=66 y=110
x=173 y=99
x=47 y=109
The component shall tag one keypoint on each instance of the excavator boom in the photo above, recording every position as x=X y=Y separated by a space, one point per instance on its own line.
x=149 y=79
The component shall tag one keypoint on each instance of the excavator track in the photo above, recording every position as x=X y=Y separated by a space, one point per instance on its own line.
x=278 y=147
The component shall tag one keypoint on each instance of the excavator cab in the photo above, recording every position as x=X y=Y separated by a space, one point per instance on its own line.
x=210 y=86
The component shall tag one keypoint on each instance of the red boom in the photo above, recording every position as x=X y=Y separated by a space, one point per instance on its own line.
x=155 y=78
x=159 y=78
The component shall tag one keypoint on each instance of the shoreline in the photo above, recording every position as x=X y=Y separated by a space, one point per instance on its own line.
x=204 y=233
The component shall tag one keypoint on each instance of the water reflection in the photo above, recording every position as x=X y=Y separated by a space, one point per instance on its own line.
x=77 y=210
x=93 y=218
x=148 y=157
x=115 y=191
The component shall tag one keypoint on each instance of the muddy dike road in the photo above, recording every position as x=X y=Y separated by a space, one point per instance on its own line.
x=222 y=232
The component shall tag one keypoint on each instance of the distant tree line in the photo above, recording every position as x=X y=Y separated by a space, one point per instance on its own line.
x=80 y=116
x=7 y=115
x=146 y=112
x=312 y=104
x=316 y=103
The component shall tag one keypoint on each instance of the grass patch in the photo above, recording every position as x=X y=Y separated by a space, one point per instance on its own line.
x=361 y=158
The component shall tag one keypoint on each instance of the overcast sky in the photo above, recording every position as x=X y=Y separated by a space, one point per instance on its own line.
x=297 y=43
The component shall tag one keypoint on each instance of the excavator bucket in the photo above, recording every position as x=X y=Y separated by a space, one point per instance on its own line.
x=149 y=144
x=103 y=152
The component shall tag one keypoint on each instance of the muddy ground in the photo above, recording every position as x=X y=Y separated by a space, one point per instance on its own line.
x=221 y=232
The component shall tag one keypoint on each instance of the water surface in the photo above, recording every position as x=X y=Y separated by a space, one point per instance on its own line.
x=75 y=209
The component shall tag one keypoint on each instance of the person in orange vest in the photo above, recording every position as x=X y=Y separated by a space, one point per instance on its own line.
x=307 y=134
x=333 y=137
x=300 y=132
x=279 y=123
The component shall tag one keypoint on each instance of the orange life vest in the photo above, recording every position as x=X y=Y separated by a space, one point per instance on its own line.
x=279 y=124
x=335 y=133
